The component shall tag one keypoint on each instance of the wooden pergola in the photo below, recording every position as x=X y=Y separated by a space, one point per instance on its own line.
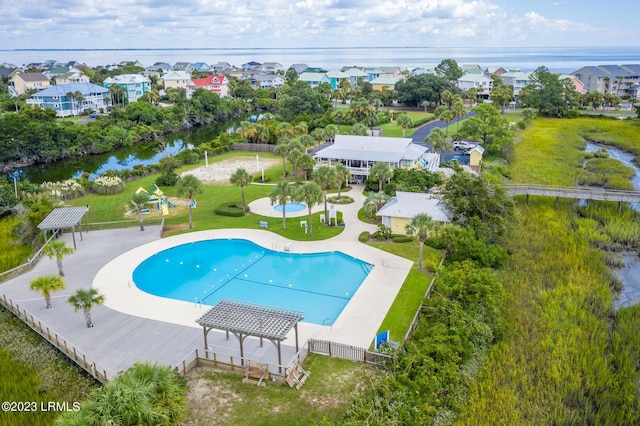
x=65 y=218
x=247 y=319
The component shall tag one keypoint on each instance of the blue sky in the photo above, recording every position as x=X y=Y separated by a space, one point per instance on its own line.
x=51 y=24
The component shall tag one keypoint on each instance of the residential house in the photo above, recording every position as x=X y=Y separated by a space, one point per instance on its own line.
x=214 y=83
x=423 y=70
x=475 y=158
x=161 y=67
x=614 y=79
x=360 y=153
x=182 y=66
x=517 y=79
x=220 y=66
x=391 y=71
x=335 y=77
x=471 y=69
x=480 y=82
x=577 y=84
x=7 y=71
x=54 y=72
x=135 y=85
x=74 y=76
x=251 y=66
x=387 y=82
x=313 y=79
x=201 y=67
x=373 y=72
x=176 y=79
x=497 y=71
x=272 y=67
x=58 y=99
x=399 y=210
x=356 y=74
x=299 y=68
x=25 y=81
x=266 y=81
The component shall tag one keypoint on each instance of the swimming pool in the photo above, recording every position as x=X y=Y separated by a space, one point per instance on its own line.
x=290 y=207
x=318 y=284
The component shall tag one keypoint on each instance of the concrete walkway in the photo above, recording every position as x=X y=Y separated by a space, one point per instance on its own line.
x=135 y=326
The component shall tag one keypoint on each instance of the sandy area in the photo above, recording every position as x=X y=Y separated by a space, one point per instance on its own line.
x=220 y=172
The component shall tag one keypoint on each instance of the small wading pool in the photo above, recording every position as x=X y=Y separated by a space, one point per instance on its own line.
x=290 y=207
x=317 y=284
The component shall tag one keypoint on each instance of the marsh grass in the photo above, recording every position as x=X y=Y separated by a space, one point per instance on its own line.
x=567 y=357
x=12 y=254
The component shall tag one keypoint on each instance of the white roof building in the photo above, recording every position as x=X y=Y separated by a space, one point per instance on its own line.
x=360 y=153
x=399 y=210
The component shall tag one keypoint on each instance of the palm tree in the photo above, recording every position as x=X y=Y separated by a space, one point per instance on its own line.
x=423 y=227
x=404 y=121
x=79 y=99
x=46 y=285
x=241 y=178
x=445 y=115
x=459 y=111
x=377 y=103
x=283 y=147
x=70 y=96
x=343 y=174
x=57 y=249
x=307 y=141
x=306 y=163
x=319 y=135
x=439 y=141
x=137 y=203
x=359 y=129
x=446 y=97
x=425 y=105
x=86 y=300
x=331 y=130
x=153 y=96
x=188 y=186
x=375 y=201
x=294 y=157
x=285 y=130
x=281 y=194
x=326 y=177
x=309 y=194
x=261 y=133
x=247 y=130
x=380 y=171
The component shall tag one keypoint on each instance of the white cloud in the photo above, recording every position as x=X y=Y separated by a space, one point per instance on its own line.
x=282 y=23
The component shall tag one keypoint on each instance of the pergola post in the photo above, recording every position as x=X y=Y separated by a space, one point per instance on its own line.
x=73 y=236
x=296 y=329
x=241 y=349
x=279 y=358
x=206 y=344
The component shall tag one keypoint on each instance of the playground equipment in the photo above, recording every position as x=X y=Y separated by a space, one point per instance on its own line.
x=158 y=198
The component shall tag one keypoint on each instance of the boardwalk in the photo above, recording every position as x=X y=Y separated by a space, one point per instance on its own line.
x=580 y=193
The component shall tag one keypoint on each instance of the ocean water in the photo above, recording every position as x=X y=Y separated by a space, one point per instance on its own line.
x=556 y=59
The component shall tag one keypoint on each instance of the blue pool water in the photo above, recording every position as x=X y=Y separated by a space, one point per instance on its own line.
x=318 y=284
x=290 y=207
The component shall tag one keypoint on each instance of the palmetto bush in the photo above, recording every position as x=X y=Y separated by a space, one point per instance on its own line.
x=107 y=185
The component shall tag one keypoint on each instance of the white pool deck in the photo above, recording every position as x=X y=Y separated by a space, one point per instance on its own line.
x=136 y=326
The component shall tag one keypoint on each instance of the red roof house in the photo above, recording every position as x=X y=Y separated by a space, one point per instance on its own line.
x=214 y=83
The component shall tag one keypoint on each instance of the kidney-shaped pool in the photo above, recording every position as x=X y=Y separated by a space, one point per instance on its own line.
x=317 y=284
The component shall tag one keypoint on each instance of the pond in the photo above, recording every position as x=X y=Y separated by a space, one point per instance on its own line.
x=126 y=158
x=629 y=274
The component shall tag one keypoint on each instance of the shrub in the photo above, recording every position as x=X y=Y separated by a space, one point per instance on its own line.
x=402 y=239
x=107 y=185
x=65 y=189
x=167 y=180
x=572 y=114
x=258 y=178
x=188 y=156
x=231 y=209
x=364 y=237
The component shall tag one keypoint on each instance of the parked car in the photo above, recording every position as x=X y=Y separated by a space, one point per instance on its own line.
x=463 y=145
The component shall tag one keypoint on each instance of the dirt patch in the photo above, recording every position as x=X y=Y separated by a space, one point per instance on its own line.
x=220 y=172
x=168 y=229
x=208 y=398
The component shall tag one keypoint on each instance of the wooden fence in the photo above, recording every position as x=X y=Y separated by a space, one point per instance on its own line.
x=416 y=317
x=255 y=147
x=56 y=340
x=354 y=353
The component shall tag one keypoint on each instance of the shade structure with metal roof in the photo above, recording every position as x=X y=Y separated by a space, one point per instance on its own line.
x=65 y=218
x=244 y=319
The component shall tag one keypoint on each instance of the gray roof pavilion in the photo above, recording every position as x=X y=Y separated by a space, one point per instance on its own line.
x=65 y=218
x=244 y=319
